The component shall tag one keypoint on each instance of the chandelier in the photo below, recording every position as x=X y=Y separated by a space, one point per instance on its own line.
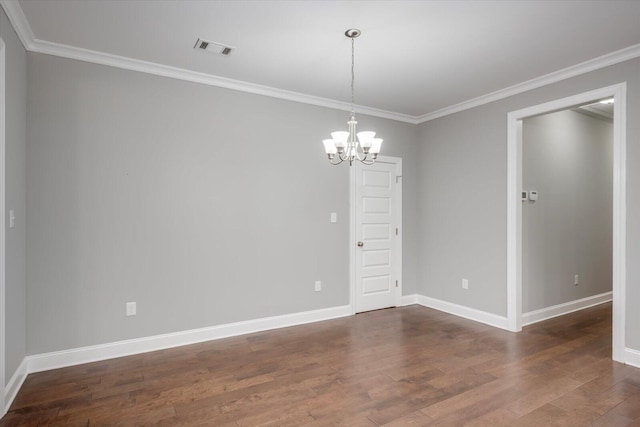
x=343 y=145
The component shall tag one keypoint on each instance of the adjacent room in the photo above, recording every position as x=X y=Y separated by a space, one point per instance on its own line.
x=358 y=213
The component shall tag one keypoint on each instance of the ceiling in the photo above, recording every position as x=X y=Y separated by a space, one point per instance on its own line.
x=598 y=109
x=413 y=58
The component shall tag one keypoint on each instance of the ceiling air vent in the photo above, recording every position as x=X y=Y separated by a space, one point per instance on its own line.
x=212 y=47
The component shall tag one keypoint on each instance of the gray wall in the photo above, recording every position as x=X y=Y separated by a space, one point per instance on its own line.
x=568 y=159
x=203 y=205
x=462 y=196
x=167 y=193
x=15 y=174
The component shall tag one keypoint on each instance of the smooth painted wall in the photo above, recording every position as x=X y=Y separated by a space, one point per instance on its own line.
x=568 y=160
x=462 y=197
x=15 y=184
x=203 y=205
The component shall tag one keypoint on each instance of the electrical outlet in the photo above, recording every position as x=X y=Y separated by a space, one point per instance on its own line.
x=131 y=309
x=12 y=218
x=334 y=217
x=465 y=284
x=576 y=279
x=318 y=285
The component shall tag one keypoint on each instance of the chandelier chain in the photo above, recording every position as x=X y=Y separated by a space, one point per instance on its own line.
x=353 y=75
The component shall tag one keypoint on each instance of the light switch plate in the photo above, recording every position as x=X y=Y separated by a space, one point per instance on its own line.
x=131 y=309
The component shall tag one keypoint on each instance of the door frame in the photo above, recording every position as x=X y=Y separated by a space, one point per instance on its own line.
x=3 y=225
x=352 y=230
x=514 y=205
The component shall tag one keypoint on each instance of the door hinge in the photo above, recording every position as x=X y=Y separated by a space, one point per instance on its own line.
x=396 y=283
x=396 y=231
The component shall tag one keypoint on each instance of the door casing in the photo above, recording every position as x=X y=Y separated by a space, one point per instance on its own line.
x=514 y=206
x=3 y=409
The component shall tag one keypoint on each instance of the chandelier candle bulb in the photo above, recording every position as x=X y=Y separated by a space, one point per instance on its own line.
x=364 y=148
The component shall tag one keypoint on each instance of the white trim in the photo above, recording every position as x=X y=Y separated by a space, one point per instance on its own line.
x=408 y=300
x=514 y=223
x=3 y=229
x=603 y=61
x=514 y=209
x=619 y=220
x=352 y=231
x=117 y=61
x=565 y=308
x=398 y=207
x=16 y=381
x=22 y=27
x=462 y=311
x=19 y=21
x=632 y=357
x=60 y=359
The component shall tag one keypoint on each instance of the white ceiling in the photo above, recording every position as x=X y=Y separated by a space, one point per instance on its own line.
x=598 y=110
x=413 y=57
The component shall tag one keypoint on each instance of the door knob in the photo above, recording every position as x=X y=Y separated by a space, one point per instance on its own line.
x=360 y=244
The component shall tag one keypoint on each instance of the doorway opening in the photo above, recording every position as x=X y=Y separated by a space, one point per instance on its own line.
x=567 y=208
x=516 y=195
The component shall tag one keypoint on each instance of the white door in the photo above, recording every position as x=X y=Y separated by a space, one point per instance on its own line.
x=377 y=264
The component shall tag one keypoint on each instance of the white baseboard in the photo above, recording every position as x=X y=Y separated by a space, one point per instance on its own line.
x=462 y=311
x=408 y=300
x=632 y=357
x=14 y=384
x=60 y=359
x=565 y=308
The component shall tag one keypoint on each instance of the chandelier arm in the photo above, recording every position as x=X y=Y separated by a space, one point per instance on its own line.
x=336 y=163
x=361 y=155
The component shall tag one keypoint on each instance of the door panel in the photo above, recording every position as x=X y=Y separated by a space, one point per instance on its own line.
x=375 y=223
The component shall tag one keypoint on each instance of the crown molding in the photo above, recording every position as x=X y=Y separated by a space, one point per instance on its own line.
x=22 y=27
x=19 y=21
x=612 y=58
x=117 y=61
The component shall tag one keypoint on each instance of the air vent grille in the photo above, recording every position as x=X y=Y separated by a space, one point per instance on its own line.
x=213 y=47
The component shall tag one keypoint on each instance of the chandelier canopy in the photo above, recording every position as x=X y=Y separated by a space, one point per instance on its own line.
x=344 y=145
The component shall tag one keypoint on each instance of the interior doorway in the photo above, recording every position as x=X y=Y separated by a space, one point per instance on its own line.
x=376 y=239
x=567 y=207
x=514 y=205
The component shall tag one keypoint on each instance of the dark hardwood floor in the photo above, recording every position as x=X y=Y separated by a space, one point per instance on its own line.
x=406 y=366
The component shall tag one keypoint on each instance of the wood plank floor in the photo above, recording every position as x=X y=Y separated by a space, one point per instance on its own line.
x=405 y=366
